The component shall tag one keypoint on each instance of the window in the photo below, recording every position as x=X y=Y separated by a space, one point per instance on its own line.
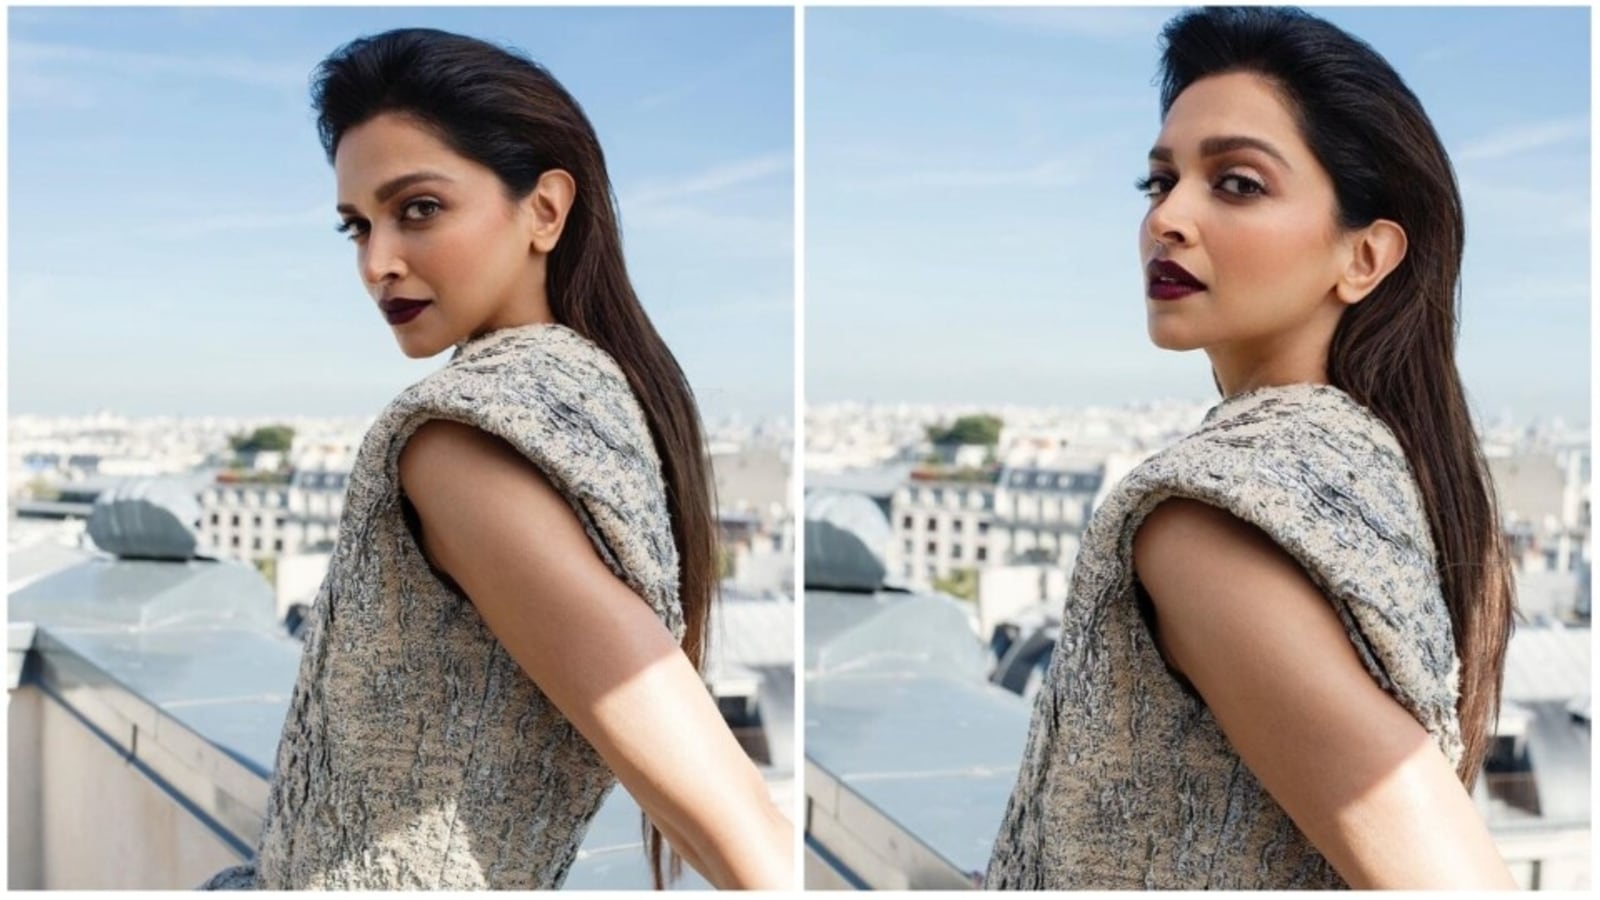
x=908 y=523
x=216 y=518
x=983 y=553
x=933 y=524
x=278 y=545
x=955 y=551
x=933 y=548
x=911 y=546
x=235 y=541
x=983 y=528
x=282 y=521
x=236 y=521
x=955 y=525
x=255 y=544
x=257 y=522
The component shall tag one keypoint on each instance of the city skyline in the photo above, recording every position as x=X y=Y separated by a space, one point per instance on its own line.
x=172 y=245
x=987 y=156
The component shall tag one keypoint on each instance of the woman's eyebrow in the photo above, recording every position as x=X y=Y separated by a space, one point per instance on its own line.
x=1214 y=146
x=394 y=186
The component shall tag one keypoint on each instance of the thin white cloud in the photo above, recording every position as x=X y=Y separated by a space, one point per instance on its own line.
x=734 y=234
x=719 y=72
x=1525 y=138
x=1526 y=211
x=761 y=306
x=52 y=91
x=1048 y=173
x=710 y=181
x=1447 y=52
x=50 y=16
x=1572 y=293
x=1103 y=24
x=32 y=57
x=243 y=220
x=686 y=205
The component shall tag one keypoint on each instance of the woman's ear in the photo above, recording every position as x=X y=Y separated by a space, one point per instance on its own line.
x=547 y=205
x=1375 y=251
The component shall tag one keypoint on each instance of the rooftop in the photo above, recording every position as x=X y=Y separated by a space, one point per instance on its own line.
x=181 y=667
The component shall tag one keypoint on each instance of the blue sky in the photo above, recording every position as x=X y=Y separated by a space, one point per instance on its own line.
x=971 y=219
x=171 y=213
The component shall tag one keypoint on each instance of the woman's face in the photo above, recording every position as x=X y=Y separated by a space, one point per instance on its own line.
x=435 y=228
x=1240 y=204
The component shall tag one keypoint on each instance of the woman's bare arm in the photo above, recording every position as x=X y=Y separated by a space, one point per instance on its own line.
x=512 y=543
x=1265 y=649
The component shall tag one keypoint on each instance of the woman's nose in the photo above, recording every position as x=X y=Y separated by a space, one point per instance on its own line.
x=380 y=260
x=1170 y=220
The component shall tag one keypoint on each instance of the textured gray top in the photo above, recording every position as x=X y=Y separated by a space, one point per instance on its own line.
x=1127 y=781
x=416 y=752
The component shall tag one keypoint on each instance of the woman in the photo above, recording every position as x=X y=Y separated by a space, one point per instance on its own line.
x=1285 y=634
x=528 y=536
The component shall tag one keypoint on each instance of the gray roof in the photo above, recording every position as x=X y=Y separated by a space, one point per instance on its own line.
x=878 y=481
x=183 y=661
x=25 y=564
x=1077 y=479
x=900 y=717
x=846 y=538
x=1547 y=663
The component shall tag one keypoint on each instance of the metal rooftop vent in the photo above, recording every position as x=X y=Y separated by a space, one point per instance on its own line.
x=846 y=537
x=147 y=518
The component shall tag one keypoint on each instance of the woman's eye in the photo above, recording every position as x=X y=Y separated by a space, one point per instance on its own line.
x=1153 y=186
x=417 y=210
x=1241 y=185
x=352 y=228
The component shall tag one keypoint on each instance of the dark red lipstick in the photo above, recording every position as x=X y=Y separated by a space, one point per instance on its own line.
x=400 y=310
x=1166 y=280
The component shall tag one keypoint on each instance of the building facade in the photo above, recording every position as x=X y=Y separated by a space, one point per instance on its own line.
x=1040 y=511
x=940 y=526
x=260 y=520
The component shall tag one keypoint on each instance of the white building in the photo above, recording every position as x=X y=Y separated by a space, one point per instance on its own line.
x=939 y=527
x=251 y=521
x=1544 y=505
x=1040 y=511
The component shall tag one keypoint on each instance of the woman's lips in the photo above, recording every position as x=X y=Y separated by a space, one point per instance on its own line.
x=400 y=310
x=1167 y=290
x=1166 y=280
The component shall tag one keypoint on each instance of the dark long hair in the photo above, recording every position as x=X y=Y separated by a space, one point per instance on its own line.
x=508 y=114
x=1394 y=352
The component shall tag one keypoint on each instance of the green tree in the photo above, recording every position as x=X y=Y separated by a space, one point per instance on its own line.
x=268 y=567
x=979 y=429
x=962 y=584
x=40 y=488
x=270 y=437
